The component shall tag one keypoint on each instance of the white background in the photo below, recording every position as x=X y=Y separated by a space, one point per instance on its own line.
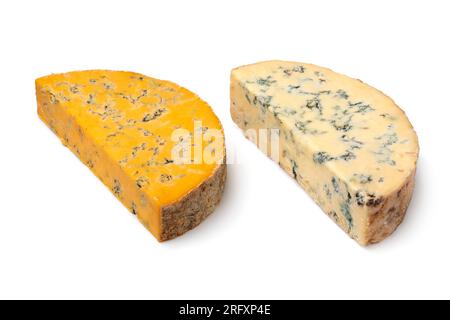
x=64 y=235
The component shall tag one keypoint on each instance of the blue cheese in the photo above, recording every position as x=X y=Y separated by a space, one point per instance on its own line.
x=347 y=144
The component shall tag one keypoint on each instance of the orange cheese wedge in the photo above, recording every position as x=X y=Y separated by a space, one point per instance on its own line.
x=157 y=146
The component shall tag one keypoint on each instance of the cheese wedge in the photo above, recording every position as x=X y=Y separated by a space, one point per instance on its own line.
x=157 y=146
x=347 y=144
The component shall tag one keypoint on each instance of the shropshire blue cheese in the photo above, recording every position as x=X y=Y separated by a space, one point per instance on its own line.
x=126 y=127
x=347 y=144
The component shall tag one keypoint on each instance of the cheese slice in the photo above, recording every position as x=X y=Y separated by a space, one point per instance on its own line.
x=156 y=145
x=347 y=144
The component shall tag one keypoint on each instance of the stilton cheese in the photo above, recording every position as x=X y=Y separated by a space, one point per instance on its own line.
x=347 y=144
x=125 y=127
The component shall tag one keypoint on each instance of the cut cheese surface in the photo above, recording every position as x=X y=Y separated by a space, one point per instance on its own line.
x=121 y=125
x=347 y=144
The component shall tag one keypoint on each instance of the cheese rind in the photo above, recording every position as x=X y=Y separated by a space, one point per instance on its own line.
x=121 y=125
x=347 y=144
